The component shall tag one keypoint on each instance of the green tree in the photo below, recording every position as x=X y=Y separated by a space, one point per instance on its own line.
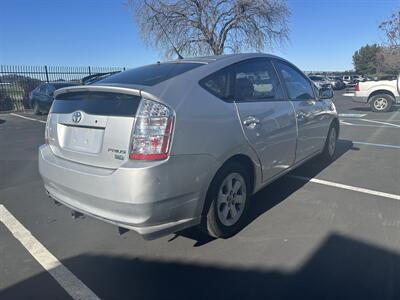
x=365 y=59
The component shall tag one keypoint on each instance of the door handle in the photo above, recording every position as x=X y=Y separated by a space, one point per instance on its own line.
x=251 y=122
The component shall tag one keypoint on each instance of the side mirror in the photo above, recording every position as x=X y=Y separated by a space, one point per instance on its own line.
x=325 y=93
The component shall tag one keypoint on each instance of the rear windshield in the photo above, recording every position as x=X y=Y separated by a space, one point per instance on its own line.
x=151 y=74
x=96 y=103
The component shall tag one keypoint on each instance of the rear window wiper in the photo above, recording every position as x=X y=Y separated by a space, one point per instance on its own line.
x=96 y=77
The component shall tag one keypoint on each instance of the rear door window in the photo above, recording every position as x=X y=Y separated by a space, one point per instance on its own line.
x=256 y=80
x=96 y=103
x=151 y=74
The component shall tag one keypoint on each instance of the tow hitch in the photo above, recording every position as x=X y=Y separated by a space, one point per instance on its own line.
x=76 y=214
x=122 y=230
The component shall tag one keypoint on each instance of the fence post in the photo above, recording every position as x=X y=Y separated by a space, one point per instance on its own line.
x=90 y=73
x=47 y=74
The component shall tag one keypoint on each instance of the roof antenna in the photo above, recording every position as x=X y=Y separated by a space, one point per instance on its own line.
x=172 y=44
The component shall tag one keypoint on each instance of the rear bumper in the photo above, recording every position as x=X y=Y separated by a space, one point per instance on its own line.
x=153 y=199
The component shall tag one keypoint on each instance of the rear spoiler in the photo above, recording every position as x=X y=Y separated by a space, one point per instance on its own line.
x=108 y=88
x=98 y=88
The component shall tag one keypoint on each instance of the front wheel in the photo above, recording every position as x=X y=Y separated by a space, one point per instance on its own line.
x=228 y=196
x=381 y=103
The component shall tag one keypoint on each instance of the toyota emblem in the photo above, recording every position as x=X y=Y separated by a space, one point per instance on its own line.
x=76 y=117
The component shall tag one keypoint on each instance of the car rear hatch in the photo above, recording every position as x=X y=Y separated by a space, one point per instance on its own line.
x=92 y=125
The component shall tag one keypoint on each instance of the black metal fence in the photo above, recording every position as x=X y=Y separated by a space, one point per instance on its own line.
x=16 y=82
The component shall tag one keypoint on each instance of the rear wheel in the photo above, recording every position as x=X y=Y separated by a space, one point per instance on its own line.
x=229 y=194
x=330 y=145
x=36 y=109
x=381 y=103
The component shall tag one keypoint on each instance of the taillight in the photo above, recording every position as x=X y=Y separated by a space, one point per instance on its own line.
x=357 y=87
x=152 y=131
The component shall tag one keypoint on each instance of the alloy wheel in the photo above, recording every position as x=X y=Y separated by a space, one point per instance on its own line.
x=231 y=199
x=332 y=141
x=380 y=104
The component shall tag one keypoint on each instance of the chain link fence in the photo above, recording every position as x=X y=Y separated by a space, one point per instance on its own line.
x=16 y=82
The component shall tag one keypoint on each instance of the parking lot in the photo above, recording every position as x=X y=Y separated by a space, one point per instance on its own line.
x=320 y=232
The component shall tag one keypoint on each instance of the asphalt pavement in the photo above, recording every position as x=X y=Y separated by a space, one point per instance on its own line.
x=332 y=233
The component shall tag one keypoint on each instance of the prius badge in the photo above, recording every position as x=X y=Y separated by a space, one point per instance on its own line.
x=76 y=117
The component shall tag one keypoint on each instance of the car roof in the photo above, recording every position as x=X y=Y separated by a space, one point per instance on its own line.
x=211 y=64
x=216 y=58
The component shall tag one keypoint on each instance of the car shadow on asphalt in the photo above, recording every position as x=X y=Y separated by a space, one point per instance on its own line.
x=276 y=192
x=282 y=188
x=338 y=268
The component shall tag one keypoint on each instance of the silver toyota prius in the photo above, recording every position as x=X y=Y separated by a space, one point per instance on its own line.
x=163 y=147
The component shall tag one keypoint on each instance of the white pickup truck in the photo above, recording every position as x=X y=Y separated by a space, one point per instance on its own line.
x=380 y=94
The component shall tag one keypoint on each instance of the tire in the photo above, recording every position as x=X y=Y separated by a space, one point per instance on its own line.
x=381 y=103
x=329 y=151
x=221 y=219
x=36 y=109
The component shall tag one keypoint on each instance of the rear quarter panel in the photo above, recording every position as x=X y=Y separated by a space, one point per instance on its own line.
x=204 y=124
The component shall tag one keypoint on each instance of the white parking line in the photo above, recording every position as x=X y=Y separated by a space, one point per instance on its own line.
x=347 y=187
x=380 y=120
x=383 y=123
x=27 y=118
x=365 y=125
x=377 y=145
x=71 y=284
x=347 y=115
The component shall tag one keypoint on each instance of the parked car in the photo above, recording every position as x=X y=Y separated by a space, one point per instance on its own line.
x=321 y=81
x=351 y=80
x=41 y=98
x=380 y=94
x=336 y=82
x=348 y=80
x=357 y=78
x=96 y=77
x=163 y=147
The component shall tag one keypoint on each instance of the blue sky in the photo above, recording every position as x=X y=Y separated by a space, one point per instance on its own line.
x=323 y=33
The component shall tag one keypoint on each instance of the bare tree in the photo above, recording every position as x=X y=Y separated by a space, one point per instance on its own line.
x=202 y=27
x=388 y=60
x=391 y=28
x=388 y=55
